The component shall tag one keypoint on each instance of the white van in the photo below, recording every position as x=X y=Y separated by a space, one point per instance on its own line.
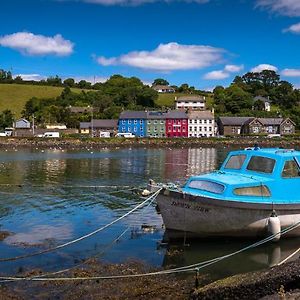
x=54 y=134
x=125 y=135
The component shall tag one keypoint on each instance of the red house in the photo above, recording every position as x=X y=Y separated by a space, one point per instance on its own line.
x=176 y=124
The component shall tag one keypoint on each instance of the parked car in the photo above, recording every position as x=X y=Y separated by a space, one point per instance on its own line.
x=54 y=134
x=125 y=135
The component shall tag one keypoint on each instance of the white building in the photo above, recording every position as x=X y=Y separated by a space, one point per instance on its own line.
x=201 y=123
x=163 y=89
x=190 y=102
x=266 y=101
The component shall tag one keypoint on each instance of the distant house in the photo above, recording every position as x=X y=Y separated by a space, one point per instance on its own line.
x=98 y=126
x=201 y=123
x=251 y=125
x=176 y=124
x=163 y=89
x=82 y=109
x=190 y=102
x=266 y=101
x=156 y=124
x=133 y=122
x=272 y=126
x=231 y=125
x=22 y=124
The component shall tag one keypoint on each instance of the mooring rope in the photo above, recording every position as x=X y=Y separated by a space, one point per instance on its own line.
x=189 y=268
x=154 y=195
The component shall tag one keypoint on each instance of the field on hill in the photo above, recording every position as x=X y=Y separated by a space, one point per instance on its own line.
x=14 y=96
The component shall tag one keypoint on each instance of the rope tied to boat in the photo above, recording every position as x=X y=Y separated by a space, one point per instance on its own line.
x=153 y=196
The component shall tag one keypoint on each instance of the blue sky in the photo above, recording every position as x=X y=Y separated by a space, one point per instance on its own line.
x=200 y=42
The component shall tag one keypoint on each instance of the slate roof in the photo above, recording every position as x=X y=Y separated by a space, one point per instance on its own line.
x=98 y=123
x=195 y=98
x=201 y=114
x=156 y=115
x=133 y=115
x=234 y=121
x=270 y=121
x=261 y=98
x=176 y=114
x=162 y=87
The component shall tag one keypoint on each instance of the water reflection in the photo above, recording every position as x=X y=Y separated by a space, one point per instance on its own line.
x=261 y=257
x=49 y=198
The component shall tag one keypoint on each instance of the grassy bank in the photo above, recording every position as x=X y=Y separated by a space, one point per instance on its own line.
x=98 y=143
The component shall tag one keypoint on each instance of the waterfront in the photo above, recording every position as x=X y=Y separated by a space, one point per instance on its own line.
x=49 y=197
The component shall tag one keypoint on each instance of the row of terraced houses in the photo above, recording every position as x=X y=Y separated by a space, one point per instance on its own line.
x=167 y=124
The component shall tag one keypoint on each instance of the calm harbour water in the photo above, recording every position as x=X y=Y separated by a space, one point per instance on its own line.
x=49 y=200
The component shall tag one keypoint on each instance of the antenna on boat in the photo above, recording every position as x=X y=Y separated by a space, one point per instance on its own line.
x=256 y=147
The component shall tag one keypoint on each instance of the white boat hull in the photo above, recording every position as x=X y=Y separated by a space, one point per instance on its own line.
x=199 y=216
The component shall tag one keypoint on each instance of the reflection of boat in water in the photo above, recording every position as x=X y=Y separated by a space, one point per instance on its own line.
x=258 y=258
x=255 y=191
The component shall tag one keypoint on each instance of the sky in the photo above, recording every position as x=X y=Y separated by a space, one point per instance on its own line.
x=204 y=43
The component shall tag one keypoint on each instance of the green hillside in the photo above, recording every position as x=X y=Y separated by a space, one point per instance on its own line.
x=169 y=99
x=14 y=96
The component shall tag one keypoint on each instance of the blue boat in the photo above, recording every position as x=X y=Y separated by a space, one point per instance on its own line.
x=256 y=192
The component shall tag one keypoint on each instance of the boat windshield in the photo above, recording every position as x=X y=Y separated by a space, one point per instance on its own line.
x=235 y=162
x=290 y=169
x=207 y=186
x=261 y=164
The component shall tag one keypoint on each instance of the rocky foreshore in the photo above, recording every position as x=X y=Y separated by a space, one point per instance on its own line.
x=97 y=143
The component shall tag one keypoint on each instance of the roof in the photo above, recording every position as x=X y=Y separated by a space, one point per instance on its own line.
x=270 y=121
x=81 y=109
x=133 y=115
x=190 y=98
x=261 y=98
x=201 y=114
x=162 y=87
x=234 y=121
x=176 y=114
x=156 y=115
x=101 y=123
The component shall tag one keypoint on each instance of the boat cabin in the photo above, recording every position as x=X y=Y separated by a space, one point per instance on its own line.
x=270 y=175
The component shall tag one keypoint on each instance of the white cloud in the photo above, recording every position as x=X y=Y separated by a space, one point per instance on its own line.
x=233 y=68
x=29 y=43
x=291 y=72
x=137 y=2
x=35 y=77
x=216 y=75
x=284 y=7
x=293 y=29
x=168 y=57
x=263 y=67
x=223 y=74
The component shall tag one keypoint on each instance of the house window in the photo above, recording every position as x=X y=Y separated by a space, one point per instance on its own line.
x=135 y=122
x=191 y=128
x=123 y=129
x=141 y=128
x=123 y=122
x=169 y=128
x=183 y=121
x=149 y=122
x=129 y=129
x=155 y=121
x=205 y=128
x=129 y=121
x=135 y=129
x=183 y=129
x=141 y=121
x=161 y=122
x=255 y=130
x=195 y=128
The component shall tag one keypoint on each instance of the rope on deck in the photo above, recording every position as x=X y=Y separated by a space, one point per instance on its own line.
x=189 y=268
x=153 y=196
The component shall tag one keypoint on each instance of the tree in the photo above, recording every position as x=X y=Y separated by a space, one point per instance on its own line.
x=83 y=84
x=6 y=119
x=160 y=81
x=70 y=82
x=54 y=81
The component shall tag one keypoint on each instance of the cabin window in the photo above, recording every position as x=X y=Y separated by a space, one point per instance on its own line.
x=207 y=186
x=235 y=162
x=290 y=169
x=256 y=191
x=261 y=164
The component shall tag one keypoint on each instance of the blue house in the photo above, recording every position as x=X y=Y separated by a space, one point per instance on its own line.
x=133 y=122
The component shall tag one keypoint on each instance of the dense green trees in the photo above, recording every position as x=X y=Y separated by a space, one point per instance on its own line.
x=6 y=119
x=108 y=101
x=160 y=81
x=238 y=98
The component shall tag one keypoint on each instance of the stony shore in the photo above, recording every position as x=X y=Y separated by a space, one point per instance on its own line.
x=97 y=143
